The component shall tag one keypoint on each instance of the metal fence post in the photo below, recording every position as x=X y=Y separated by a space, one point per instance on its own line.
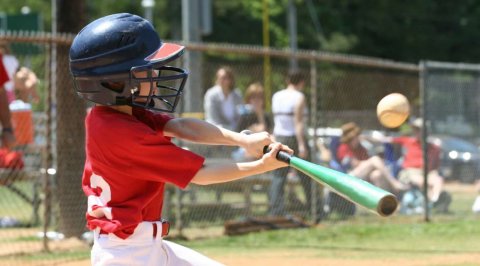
x=313 y=122
x=423 y=114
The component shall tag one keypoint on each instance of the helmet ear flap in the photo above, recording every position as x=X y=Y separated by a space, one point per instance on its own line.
x=109 y=90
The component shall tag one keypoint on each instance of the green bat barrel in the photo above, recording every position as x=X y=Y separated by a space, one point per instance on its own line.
x=352 y=188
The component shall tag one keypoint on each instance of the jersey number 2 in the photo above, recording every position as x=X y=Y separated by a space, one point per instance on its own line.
x=100 y=202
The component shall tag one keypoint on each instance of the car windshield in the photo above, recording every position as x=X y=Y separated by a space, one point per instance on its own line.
x=451 y=144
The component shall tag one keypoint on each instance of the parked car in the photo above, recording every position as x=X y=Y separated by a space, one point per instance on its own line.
x=460 y=159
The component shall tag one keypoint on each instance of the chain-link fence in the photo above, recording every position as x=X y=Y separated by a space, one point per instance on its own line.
x=339 y=89
x=451 y=109
x=43 y=207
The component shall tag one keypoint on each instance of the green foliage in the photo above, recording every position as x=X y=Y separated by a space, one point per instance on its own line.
x=404 y=31
x=255 y=8
x=339 y=42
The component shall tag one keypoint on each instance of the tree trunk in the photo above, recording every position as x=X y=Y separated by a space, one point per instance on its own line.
x=70 y=114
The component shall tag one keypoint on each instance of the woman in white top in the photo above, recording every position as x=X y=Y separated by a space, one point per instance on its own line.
x=289 y=115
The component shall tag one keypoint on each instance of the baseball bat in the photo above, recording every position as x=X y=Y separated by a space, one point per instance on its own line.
x=349 y=187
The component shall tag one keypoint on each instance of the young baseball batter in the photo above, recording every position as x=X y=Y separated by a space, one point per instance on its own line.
x=119 y=63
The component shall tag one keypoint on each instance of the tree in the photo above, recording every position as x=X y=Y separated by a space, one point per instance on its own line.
x=400 y=30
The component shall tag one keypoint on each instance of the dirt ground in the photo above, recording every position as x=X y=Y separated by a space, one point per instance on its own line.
x=299 y=258
x=295 y=259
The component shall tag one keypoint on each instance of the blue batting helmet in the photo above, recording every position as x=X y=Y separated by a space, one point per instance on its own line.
x=107 y=54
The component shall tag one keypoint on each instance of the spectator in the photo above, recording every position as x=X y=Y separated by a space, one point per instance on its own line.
x=354 y=157
x=223 y=100
x=289 y=112
x=26 y=85
x=10 y=63
x=412 y=166
x=253 y=116
x=8 y=138
x=412 y=171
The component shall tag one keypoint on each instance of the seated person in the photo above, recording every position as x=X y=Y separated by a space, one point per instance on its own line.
x=253 y=115
x=412 y=167
x=355 y=158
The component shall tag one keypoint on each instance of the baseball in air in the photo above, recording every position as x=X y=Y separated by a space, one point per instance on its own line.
x=393 y=110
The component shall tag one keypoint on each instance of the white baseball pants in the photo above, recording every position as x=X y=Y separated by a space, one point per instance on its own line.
x=142 y=248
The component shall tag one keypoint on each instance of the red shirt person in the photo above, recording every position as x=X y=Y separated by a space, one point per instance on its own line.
x=412 y=167
x=8 y=138
x=119 y=63
x=129 y=157
x=413 y=155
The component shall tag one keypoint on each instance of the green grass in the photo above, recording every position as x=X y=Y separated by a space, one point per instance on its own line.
x=11 y=205
x=384 y=239
x=361 y=237
x=389 y=240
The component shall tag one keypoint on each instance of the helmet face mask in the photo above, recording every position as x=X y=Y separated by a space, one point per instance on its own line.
x=165 y=87
x=115 y=58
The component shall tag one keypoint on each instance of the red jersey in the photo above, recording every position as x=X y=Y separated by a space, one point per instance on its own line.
x=413 y=155
x=359 y=153
x=3 y=73
x=128 y=162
